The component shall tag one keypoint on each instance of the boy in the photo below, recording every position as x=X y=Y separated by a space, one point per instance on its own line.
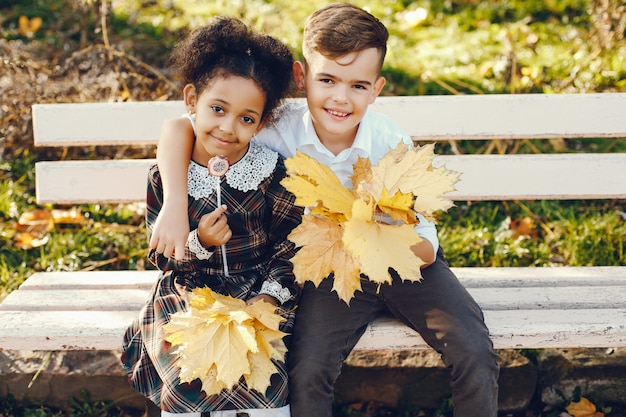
x=344 y=48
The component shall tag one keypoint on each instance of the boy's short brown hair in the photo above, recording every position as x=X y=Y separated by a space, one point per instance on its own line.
x=341 y=28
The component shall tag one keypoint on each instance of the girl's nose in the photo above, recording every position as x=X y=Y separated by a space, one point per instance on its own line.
x=227 y=125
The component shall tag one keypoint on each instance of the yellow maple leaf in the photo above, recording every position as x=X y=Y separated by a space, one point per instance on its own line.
x=323 y=252
x=399 y=207
x=221 y=339
x=410 y=170
x=313 y=183
x=379 y=247
x=583 y=408
x=362 y=172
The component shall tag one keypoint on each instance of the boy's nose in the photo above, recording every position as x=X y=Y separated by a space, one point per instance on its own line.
x=340 y=94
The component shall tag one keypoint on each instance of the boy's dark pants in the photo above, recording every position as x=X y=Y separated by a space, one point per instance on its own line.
x=438 y=307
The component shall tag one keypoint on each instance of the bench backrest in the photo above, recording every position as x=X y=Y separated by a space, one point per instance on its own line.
x=439 y=118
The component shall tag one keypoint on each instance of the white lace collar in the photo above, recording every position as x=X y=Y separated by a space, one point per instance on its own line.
x=245 y=175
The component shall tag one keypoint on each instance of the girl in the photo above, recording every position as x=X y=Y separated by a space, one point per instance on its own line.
x=233 y=79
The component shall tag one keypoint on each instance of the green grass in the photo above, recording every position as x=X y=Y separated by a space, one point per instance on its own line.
x=574 y=233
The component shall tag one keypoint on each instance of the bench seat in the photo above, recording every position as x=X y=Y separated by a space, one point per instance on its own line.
x=523 y=307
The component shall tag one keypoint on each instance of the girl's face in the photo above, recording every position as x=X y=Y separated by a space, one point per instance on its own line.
x=228 y=114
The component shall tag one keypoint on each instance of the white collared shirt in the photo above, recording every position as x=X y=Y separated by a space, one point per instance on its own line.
x=377 y=134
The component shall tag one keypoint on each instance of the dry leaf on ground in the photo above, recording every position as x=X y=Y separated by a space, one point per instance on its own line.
x=583 y=408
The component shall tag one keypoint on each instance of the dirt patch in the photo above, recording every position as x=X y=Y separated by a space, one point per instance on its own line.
x=35 y=73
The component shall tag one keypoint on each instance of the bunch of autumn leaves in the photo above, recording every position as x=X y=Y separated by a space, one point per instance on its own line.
x=368 y=229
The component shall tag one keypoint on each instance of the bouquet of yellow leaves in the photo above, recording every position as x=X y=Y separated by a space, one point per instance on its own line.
x=367 y=229
x=219 y=339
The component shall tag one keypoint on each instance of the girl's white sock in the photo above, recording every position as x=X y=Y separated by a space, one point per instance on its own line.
x=168 y=414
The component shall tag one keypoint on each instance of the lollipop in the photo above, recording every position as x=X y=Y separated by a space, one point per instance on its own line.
x=218 y=165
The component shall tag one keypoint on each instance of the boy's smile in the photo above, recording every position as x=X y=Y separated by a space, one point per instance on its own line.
x=338 y=92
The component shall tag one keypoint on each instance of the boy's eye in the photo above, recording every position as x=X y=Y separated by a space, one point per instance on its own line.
x=359 y=87
x=217 y=109
x=326 y=80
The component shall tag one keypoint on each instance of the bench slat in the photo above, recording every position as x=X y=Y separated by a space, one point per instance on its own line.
x=107 y=124
x=103 y=330
x=502 y=298
x=61 y=330
x=511 y=329
x=509 y=116
x=470 y=277
x=73 y=280
x=83 y=182
x=546 y=176
x=75 y=300
x=504 y=116
x=484 y=177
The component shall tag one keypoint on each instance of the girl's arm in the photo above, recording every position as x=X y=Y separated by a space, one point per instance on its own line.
x=154 y=203
x=280 y=282
x=171 y=228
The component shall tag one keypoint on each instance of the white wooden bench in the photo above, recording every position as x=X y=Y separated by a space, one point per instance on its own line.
x=524 y=307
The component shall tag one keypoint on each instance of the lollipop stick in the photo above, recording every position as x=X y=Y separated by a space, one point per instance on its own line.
x=219 y=203
x=217 y=166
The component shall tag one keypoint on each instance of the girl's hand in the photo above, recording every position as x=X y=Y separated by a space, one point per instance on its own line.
x=265 y=297
x=213 y=228
x=171 y=230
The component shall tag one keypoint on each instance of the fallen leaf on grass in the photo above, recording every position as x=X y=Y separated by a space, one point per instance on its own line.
x=71 y=217
x=27 y=27
x=32 y=229
x=27 y=240
x=583 y=408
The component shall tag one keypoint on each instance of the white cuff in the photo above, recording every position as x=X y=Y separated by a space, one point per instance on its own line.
x=194 y=245
x=276 y=290
x=427 y=230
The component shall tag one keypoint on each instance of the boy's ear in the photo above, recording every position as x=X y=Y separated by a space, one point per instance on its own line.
x=299 y=75
x=378 y=87
x=190 y=98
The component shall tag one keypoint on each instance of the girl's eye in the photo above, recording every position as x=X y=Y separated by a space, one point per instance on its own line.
x=248 y=120
x=217 y=109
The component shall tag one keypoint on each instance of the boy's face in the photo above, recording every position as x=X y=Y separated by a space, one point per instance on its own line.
x=338 y=92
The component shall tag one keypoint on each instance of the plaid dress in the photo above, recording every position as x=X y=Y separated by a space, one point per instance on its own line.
x=261 y=213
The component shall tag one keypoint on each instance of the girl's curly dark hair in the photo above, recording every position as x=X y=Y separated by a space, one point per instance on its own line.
x=226 y=46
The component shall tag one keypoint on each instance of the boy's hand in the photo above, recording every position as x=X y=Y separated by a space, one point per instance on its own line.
x=170 y=232
x=213 y=228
